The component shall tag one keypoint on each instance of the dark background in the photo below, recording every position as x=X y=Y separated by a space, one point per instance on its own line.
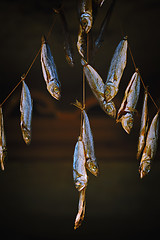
x=38 y=199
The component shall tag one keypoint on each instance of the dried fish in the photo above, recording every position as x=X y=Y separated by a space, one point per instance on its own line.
x=49 y=70
x=97 y=85
x=127 y=109
x=26 y=113
x=67 y=38
x=81 y=209
x=150 y=147
x=85 y=12
x=116 y=69
x=82 y=42
x=79 y=170
x=144 y=126
x=104 y=25
x=87 y=137
x=3 y=148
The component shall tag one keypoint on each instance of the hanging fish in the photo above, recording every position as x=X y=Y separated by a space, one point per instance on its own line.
x=85 y=12
x=144 y=126
x=79 y=170
x=3 y=148
x=87 y=137
x=99 y=2
x=97 y=85
x=150 y=147
x=99 y=40
x=67 y=38
x=81 y=209
x=82 y=42
x=49 y=70
x=127 y=109
x=116 y=69
x=26 y=113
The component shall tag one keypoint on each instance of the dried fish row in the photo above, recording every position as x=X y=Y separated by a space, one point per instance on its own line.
x=97 y=85
x=49 y=71
x=150 y=147
x=26 y=113
x=116 y=69
x=128 y=105
x=3 y=147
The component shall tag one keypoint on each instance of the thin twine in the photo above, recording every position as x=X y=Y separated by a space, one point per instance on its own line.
x=136 y=69
x=25 y=75
x=84 y=86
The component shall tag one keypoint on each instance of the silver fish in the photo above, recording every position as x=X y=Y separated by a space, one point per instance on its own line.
x=81 y=209
x=3 y=148
x=49 y=71
x=79 y=169
x=97 y=85
x=87 y=137
x=127 y=109
x=85 y=11
x=82 y=42
x=26 y=113
x=116 y=69
x=150 y=147
x=144 y=126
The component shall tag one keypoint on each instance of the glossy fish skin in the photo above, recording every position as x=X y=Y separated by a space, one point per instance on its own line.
x=127 y=109
x=82 y=42
x=85 y=11
x=49 y=71
x=3 y=148
x=79 y=169
x=26 y=113
x=116 y=69
x=150 y=147
x=144 y=126
x=97 y=85
x=87 y=137
x=81 y=209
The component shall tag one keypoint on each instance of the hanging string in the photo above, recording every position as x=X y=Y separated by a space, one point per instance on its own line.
x=136 y=69
x=25 y=75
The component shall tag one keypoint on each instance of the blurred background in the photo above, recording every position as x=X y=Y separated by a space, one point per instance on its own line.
x=38 y=199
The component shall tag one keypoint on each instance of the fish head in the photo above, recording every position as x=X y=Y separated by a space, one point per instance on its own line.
x=127 y=122
x=26 y=135
x=86 y=22
x=54 y=89
x=145 y=168
x=92 y=167
x=109 y=108
x=110 y=92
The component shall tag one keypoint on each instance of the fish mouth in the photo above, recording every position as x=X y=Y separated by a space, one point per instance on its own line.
x=57 y=96
x=109 y=108
x=86 y=22
x=54 y=91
